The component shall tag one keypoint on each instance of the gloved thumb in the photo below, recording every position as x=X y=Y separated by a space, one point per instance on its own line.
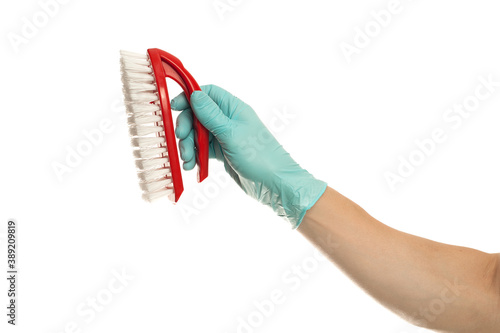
x=209 y=113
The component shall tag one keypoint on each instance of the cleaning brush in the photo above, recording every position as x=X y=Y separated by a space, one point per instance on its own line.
x=150 y=122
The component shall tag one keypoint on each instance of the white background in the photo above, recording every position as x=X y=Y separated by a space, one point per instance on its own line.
x=204 y=270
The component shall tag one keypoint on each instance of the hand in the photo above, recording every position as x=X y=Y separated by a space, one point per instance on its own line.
x=250 y=153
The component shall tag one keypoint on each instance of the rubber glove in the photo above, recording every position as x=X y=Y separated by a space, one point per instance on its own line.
x=250 y=153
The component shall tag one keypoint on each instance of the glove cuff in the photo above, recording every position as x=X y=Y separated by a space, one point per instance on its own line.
x=296 y=198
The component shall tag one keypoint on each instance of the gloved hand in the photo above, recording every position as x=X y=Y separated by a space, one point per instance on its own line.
x=250 y=153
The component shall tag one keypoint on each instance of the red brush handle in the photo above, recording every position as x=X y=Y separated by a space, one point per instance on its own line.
x=173 y=68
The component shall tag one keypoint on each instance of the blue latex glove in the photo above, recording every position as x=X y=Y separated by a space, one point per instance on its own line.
x=250 y=153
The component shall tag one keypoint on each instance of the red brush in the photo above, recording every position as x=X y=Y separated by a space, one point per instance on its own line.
x=151 y=125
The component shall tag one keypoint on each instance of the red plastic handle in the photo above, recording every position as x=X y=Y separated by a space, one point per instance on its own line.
x=166 y=65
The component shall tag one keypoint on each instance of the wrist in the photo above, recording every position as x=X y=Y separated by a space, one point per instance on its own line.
x=297 y=195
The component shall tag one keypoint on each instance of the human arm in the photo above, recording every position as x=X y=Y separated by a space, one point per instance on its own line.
x=405 y=273
x=438 y=286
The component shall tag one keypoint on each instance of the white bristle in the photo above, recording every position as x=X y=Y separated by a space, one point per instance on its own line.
x=143 y=130
x=143 y=110
x=143 y=61
x=139 y=77
x=137 y=67
x=136 y=86
x=155 y=174
x=152 y=163
x=155 y=185
x=124 y=53
x=141 y=97
x=152 y=196
x=146 y=126
x=144 y=119
x=148 y=141
x=149 y=152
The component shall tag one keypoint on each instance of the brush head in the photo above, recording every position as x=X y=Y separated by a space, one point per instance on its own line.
x=146 y=126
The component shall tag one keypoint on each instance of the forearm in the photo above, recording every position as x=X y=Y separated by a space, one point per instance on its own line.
x=450 y=288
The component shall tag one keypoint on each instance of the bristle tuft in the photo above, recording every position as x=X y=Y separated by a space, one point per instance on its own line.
x=152 y=196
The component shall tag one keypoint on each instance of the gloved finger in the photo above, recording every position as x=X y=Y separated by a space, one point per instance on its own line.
x=179 y=102
x=186 y=147
x=184 y=124
x=219 y=95
x=227 y=102
x=209 y=113
x=189 y=165
x=215 y=151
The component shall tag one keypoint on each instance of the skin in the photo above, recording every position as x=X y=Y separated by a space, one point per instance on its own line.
x=441 y=287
